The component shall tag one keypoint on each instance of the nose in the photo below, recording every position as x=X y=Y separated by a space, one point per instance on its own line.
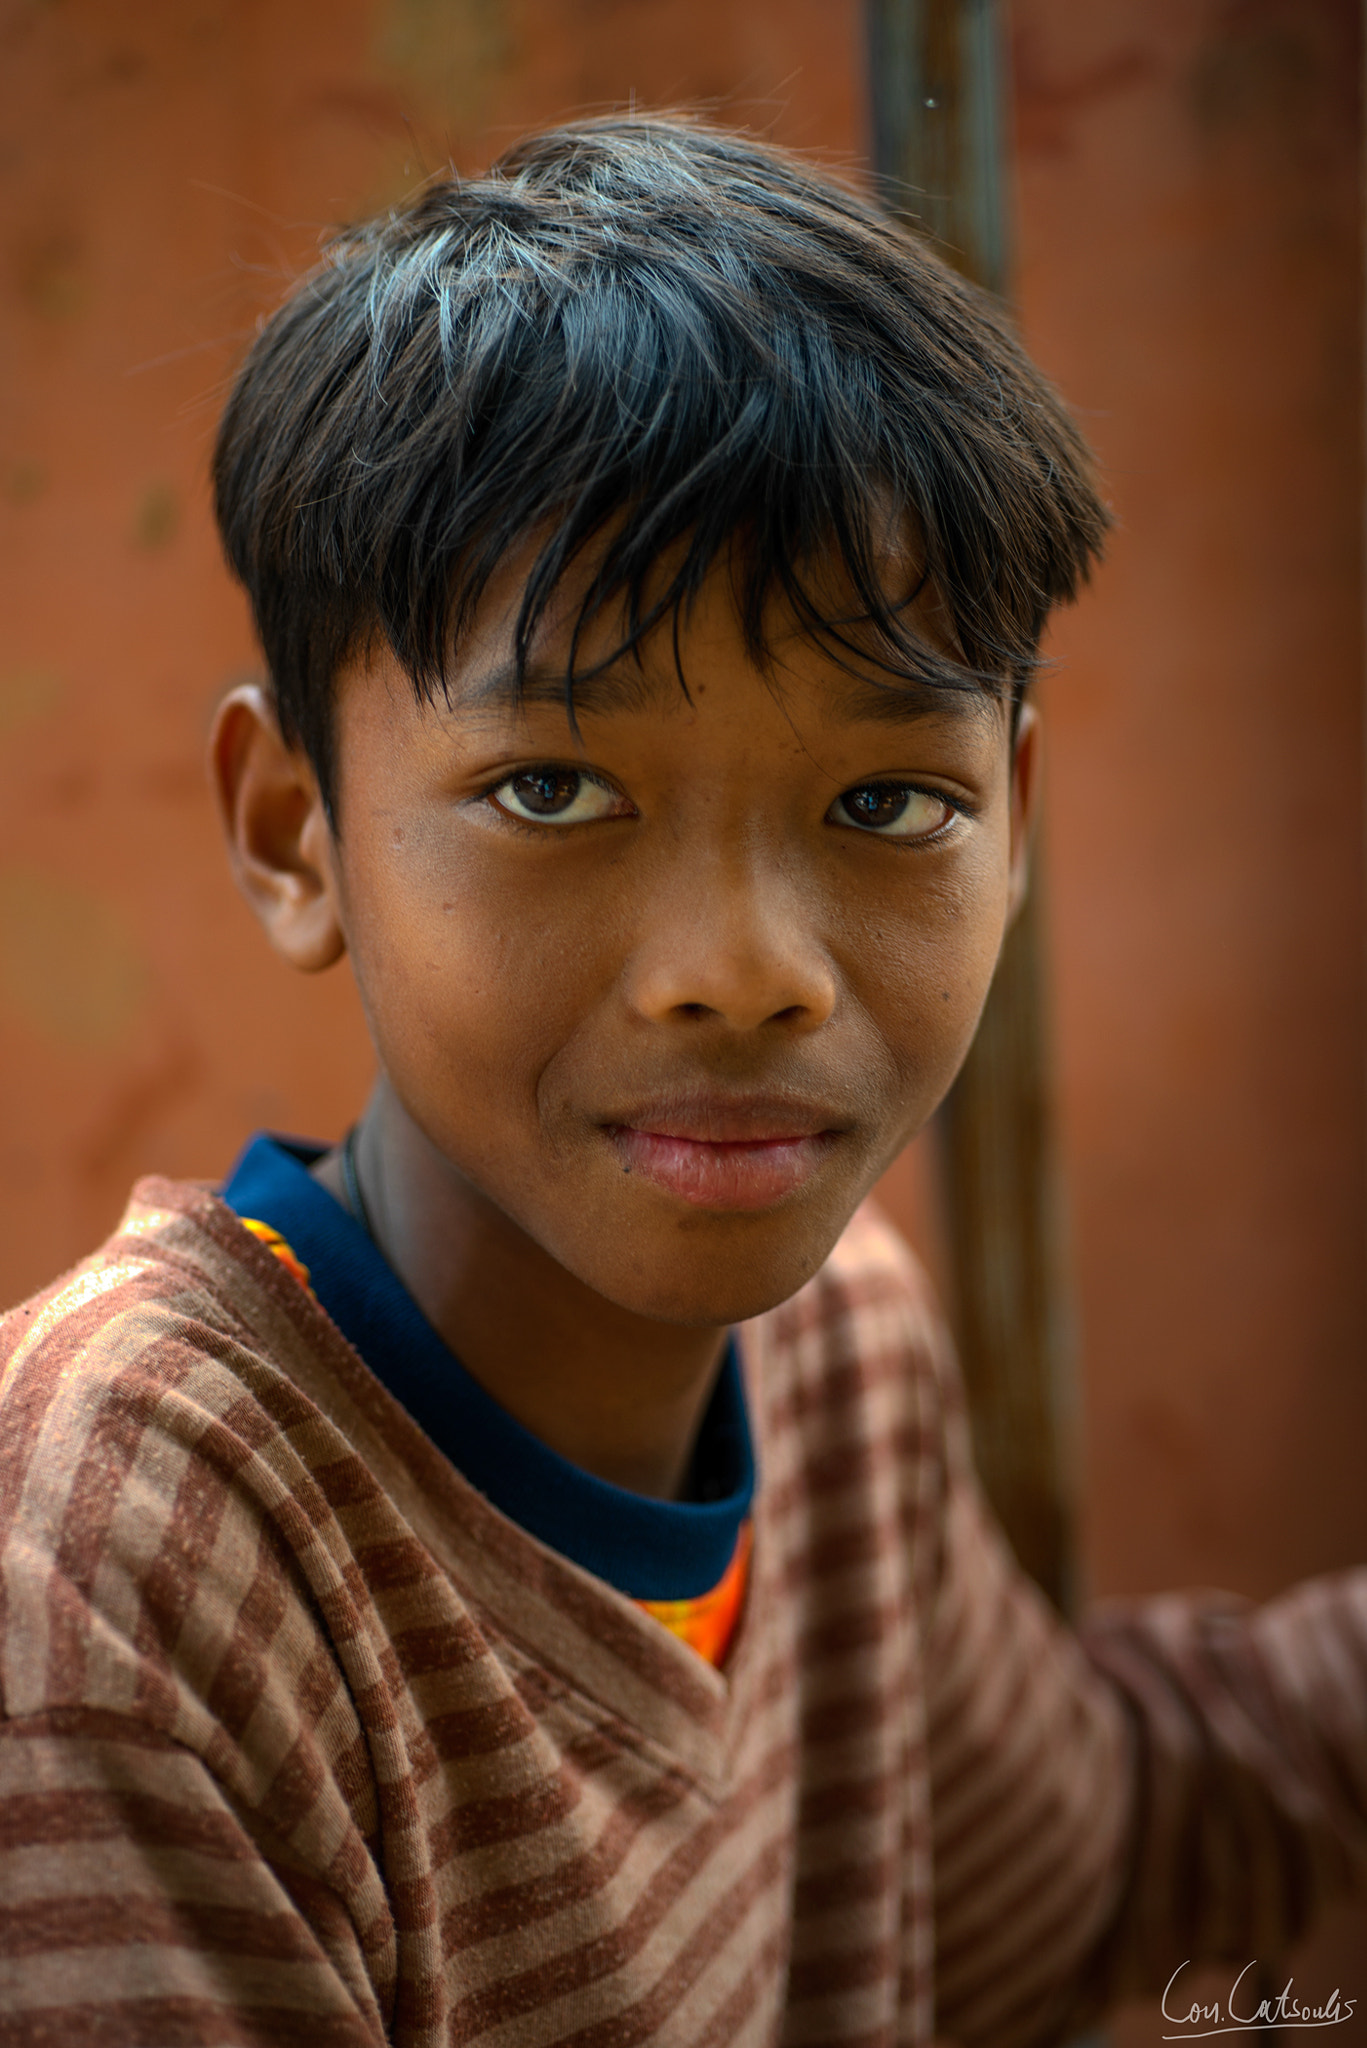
x=734 y=944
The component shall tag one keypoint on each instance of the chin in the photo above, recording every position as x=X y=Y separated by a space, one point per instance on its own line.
x=705 y=1285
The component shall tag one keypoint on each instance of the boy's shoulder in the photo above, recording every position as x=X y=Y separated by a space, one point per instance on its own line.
x=177 y=1341
x=179 y=1516
x=175 y=1579
x=178 y=1263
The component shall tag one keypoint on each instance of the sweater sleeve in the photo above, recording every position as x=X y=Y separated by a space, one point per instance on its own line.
x=1183 y=1778
x=137 y=1909
x=1251 y=1771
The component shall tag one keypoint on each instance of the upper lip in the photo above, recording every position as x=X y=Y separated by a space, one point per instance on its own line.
x=717 y=1117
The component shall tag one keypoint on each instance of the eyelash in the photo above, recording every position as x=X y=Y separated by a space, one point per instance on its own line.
x=548 y=769
x=957 y=808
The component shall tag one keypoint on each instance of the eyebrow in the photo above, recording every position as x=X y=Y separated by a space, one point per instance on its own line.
x=903 y=702
x=624 y=686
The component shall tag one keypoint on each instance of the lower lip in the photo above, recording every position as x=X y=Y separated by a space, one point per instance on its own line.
x=748 y=1174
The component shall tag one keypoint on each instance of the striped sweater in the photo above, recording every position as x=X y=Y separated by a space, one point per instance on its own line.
x=303 y=1742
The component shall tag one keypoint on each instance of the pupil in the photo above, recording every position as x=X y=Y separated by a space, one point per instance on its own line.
x=548 y=791
x=877 y=806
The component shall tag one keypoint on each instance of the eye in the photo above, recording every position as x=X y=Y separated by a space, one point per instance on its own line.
x=893 y=810
x=551 y=795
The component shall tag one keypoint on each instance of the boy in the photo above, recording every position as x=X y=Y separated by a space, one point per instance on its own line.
x=424 y=1621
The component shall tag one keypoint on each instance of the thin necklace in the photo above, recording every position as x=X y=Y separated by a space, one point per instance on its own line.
x=355 y=1200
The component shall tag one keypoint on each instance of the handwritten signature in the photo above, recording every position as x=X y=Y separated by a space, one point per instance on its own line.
x=1285 y=2010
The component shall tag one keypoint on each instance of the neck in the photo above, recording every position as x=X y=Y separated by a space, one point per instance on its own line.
x=616 y=1393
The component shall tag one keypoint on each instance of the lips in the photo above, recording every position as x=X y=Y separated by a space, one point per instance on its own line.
x=726 y=1153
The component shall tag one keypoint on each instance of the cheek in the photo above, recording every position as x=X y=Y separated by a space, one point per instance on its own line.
x=928 y=955
x=470 y=982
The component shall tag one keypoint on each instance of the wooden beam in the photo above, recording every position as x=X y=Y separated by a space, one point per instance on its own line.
x=939 y=152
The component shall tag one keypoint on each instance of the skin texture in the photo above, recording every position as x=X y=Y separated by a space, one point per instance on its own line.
x=643 y=1051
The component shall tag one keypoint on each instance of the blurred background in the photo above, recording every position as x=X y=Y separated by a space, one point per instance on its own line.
x=1183 y=196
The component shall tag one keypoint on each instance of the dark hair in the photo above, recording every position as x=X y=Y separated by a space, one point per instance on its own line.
x=647 y=335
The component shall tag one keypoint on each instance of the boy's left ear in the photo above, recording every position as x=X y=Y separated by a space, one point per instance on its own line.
x=1024 y=790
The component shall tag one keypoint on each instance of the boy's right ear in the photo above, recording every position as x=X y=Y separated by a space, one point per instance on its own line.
x=280 y=843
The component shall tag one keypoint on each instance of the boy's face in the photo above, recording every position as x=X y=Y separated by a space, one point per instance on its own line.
x=673 y=991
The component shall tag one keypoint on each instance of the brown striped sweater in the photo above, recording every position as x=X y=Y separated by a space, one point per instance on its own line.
x=303 y=1742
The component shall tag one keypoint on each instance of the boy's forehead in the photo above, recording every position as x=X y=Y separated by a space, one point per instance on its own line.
x=701 y=644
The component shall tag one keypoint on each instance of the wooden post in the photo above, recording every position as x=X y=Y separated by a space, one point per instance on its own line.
x=939 y=152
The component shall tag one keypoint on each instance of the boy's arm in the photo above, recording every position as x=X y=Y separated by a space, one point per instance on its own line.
x=1251 y=1797
x=1183 y=1778
x=136 y=1909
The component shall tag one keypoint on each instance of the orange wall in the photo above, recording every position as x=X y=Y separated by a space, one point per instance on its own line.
x=1190 y=204
x=1189 y=215
x=1190 y=270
